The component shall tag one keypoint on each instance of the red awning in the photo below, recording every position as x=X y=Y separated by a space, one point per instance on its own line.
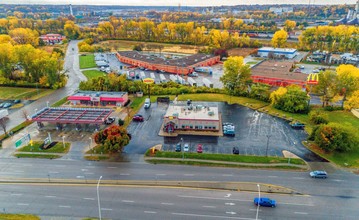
x=109 y=99
x=83 y=98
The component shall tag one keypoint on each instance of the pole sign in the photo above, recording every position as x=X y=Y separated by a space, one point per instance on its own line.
x=148 y=81
x=23 y=140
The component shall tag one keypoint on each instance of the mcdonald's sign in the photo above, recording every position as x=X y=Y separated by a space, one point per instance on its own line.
x=313 y=79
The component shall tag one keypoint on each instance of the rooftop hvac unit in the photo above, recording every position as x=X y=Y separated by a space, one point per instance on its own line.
x=211 y=113
x=175 y=114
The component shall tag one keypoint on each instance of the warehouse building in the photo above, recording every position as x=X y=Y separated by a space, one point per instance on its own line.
x=91 y=98
x=277 y=52
x=183 y=66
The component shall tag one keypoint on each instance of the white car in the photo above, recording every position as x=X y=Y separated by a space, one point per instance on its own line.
x=186 y=148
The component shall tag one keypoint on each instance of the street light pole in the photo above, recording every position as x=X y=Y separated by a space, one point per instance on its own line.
x=63 y=141
x=268 y=136
x=259 y=199
x=98 y=198
x=182 y=148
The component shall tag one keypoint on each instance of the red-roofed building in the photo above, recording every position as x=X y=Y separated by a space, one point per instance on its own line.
x=90 y=98
x=52 y=38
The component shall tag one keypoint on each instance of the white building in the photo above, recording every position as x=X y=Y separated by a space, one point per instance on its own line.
x=280 y=10
x=277 y=52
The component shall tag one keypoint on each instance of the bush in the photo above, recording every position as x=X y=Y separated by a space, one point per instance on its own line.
x=317 y=117
x=331 y=108
x=121 y=122
x=335 y=137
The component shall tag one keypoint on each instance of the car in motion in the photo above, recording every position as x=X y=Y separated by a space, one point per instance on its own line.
x=266 y=202
x=318 y=174
x=138 y=118
x=186 y=148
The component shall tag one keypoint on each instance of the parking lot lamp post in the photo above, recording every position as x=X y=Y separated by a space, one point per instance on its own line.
x=47 y=104
x=268 y=136
x=182 y=148
x=63 y=141
x=98 y=198
x=259 y=198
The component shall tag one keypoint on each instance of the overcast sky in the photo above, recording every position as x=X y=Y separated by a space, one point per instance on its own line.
x=176 y=2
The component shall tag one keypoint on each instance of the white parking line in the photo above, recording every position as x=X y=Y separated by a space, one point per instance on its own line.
x=211 y=216
x=106 y=209
x=161 y=174
x=24 y=204
x=336 y=180
x=150 y=212
x=165 y=203
x=16 y=194
x=64 y=206
x=128 y=201
x=301 y=213
x=53 y=172
x=50 y=196
x=89 y=198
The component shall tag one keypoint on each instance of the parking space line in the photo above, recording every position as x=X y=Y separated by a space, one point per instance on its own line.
x=64 y=206
x=301 y=213
x=23 y=204
x=127 y=201
x=150 y=212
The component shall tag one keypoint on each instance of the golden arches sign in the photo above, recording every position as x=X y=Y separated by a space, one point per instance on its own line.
x=313 y=79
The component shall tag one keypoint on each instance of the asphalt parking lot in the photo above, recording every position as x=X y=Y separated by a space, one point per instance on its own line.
x=252 y=128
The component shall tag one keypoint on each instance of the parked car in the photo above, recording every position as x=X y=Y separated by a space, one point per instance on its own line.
x=137 y=118
x=186 y=148
x=2 y=104
x=194 y=74
x=316 y=71
x=302 y=67
x=318 y=174
x=235 y=150
x=17 y=101
x=267 y=202
x=199 y=148
x=109 y=120
x=297 y=125
x=7 y=105
x=178 y=148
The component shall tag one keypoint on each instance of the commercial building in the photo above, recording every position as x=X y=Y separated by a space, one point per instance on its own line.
x=183 y=66
x=191 y=118
x=91 y=98
x=52 y=38
x=276 y=73
x=277 y=52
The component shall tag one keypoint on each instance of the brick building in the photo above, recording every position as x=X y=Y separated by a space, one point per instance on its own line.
x=183 y=66
x=91 y=98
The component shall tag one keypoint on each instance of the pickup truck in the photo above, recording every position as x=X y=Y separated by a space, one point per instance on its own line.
x=297 y=125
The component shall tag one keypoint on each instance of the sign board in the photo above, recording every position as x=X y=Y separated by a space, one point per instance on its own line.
x=23 y=140
x=148 y=81
x=95 y=99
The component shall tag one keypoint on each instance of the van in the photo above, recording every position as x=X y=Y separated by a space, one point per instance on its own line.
x=147 y=103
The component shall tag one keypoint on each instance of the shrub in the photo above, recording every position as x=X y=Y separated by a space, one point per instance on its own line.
x=121 y=122
x=317 y=117
x=331 y=108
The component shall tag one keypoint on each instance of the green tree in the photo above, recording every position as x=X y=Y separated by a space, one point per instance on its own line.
x=318 y=117
x=327 y=86
x=236 y=76
x=290 y=99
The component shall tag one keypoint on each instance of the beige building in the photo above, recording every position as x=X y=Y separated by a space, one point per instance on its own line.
x=196 y=118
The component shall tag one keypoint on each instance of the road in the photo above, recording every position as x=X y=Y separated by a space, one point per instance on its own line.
x=153 y=203
x=75 y=77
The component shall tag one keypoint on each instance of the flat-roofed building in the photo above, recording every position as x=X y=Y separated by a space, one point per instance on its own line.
x=92 y=98
x=288 y=53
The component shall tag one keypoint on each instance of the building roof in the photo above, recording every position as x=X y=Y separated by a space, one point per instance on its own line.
x=277 y=69
x=180 y=62
x=72 y=115
x=277 y=50
x=198 y=112
x=101 y=94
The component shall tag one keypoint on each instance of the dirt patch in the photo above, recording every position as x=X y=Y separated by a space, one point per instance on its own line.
x=241 y=51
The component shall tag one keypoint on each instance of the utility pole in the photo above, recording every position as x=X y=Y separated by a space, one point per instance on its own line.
x=268 y=136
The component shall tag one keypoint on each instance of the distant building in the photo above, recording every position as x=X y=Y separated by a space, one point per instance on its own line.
x=196 y=118
x=52 y=38
x=91 y=98
x=277 y=52
x=280 y=10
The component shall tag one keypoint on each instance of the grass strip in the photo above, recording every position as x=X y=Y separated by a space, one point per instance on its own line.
x=58 y=148
x=87 y=61
x=97 y=158
x=6 y=216
x=93 y=74
x=42 y=156
x=60 y=102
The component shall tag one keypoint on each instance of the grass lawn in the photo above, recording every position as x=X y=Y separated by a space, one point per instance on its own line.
x=60 y=102
x=228 y=157
x=87 y=61
x=200 y=163
x=23 y=93
x=41 y=156
x=18 y=217
x=58 y=148
x=97 y=158
x=92 y=74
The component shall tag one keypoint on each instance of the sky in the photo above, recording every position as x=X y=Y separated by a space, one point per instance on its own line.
x=176 y=2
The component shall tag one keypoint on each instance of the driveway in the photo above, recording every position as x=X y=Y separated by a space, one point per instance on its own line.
x=75 y=76
x=252 y=128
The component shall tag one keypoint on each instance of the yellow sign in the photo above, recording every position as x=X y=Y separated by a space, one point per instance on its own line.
x=148 y=80
x=313 y=78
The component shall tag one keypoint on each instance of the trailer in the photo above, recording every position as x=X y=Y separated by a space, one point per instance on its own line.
x=207 y=83
x=191 y=81
x=152 y=75
x=4 y=113
x=162 y=78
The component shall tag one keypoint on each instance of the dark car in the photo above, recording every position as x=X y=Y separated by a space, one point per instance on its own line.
x=178 y=148
x=297 y=125
x=199 y=148
x=2 y=104
x=7 y=105
x=267 y=202
x=137 y=118
x=235 y=150
x=318 y=174
x=109 y=120
x=17 y=101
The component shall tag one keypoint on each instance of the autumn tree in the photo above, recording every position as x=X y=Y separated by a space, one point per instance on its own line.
x=353 y=101
x=25 y=36
x=327 y=86
x=113 y=139
x=236 y=75
x=290 y=99
x=7 y=60
x=279 y=38
x=289 y=25
x=348 y=80
x=71 y=30
x=5 y=39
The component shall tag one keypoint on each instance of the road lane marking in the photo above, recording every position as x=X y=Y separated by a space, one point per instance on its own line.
x=24 y=204
x=230 y=203
x=301 y=213
x=255 y=210
x=124 y=174
x=106 y=209
x=272 y=176
x=50 y=196
x=64 y=206
x=53 y=172
x=84 y=170
x=88 y=173
x=228 y=195
x=89 y=198
x=112 y=167
x=166 y=203
x=299 y=178
x=150 y=212
x=227 y=175
x=79 y=177
x=232 y=213
x=336 y=180
x=298 y=204
x=211 y=216
x=60 y=165
x=161 y=174
x=16 y=194
x=209 y=206
x=128 y=201
x=188 y=174
x=213 y=198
